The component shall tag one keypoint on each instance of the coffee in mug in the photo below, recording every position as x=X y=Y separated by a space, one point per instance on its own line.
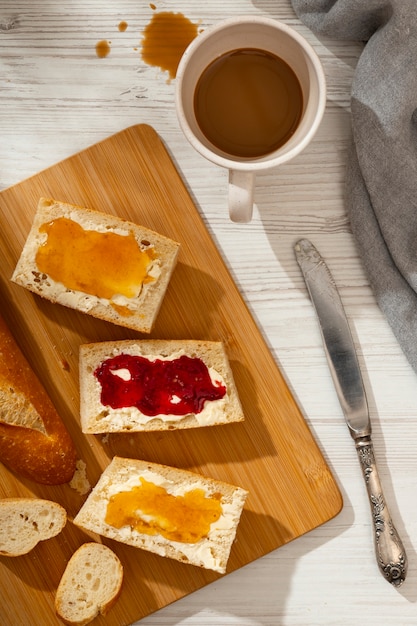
x=250 y=95
x=248 y=102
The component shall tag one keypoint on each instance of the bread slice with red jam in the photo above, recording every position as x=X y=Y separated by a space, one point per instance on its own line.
x=144 y=385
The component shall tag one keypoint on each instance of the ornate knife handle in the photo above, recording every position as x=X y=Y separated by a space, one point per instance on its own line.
x=390 y=553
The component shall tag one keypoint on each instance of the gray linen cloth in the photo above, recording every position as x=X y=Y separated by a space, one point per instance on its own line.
x=381 y=192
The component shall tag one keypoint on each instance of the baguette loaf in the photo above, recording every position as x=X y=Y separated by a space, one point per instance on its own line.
x=168 y=511
x=135 y=385
x=90 y=585
x=33 y=439
x=24 y=522
x=96 y=263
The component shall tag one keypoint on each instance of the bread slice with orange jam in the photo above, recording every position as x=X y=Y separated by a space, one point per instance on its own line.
x=159 y=384
x=96 y=263
x=171 y=512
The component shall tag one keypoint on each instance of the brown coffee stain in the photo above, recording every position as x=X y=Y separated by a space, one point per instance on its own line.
x=165 y=39
x=102 y=48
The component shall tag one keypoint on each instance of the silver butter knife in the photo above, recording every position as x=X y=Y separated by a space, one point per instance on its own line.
x=345 y=371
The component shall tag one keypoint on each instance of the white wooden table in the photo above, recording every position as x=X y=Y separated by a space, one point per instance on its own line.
x=57 y=98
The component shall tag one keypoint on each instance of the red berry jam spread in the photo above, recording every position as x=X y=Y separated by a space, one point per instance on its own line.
x=162 y=387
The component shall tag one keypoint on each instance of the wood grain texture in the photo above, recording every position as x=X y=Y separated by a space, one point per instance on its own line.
x=272 y=454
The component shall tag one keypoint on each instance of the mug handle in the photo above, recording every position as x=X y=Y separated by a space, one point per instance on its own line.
x=241 y=188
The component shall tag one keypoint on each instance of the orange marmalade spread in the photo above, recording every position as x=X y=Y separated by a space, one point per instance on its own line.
x=150 y=509
x=100 y=264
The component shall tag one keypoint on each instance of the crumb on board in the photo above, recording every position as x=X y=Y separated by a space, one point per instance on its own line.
x=79 y=481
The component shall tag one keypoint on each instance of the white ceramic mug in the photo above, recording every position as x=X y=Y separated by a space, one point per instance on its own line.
x=272 y=37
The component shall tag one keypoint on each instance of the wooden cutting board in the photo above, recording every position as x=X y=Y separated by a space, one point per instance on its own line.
x=272 y=454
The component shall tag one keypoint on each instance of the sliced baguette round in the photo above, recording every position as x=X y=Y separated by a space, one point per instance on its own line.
x=138 y=312
x=100 y=418
x=121 y=475
x=24 y=522
x=90 y=585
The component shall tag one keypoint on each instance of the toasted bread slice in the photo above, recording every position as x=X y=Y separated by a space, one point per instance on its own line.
x=96 y=263
x=142 y=385
x=171 y=512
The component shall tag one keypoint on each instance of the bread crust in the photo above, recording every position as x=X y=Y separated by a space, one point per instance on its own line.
x=43 y=451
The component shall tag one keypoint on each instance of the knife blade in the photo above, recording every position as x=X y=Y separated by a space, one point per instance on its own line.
x=346 y=374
